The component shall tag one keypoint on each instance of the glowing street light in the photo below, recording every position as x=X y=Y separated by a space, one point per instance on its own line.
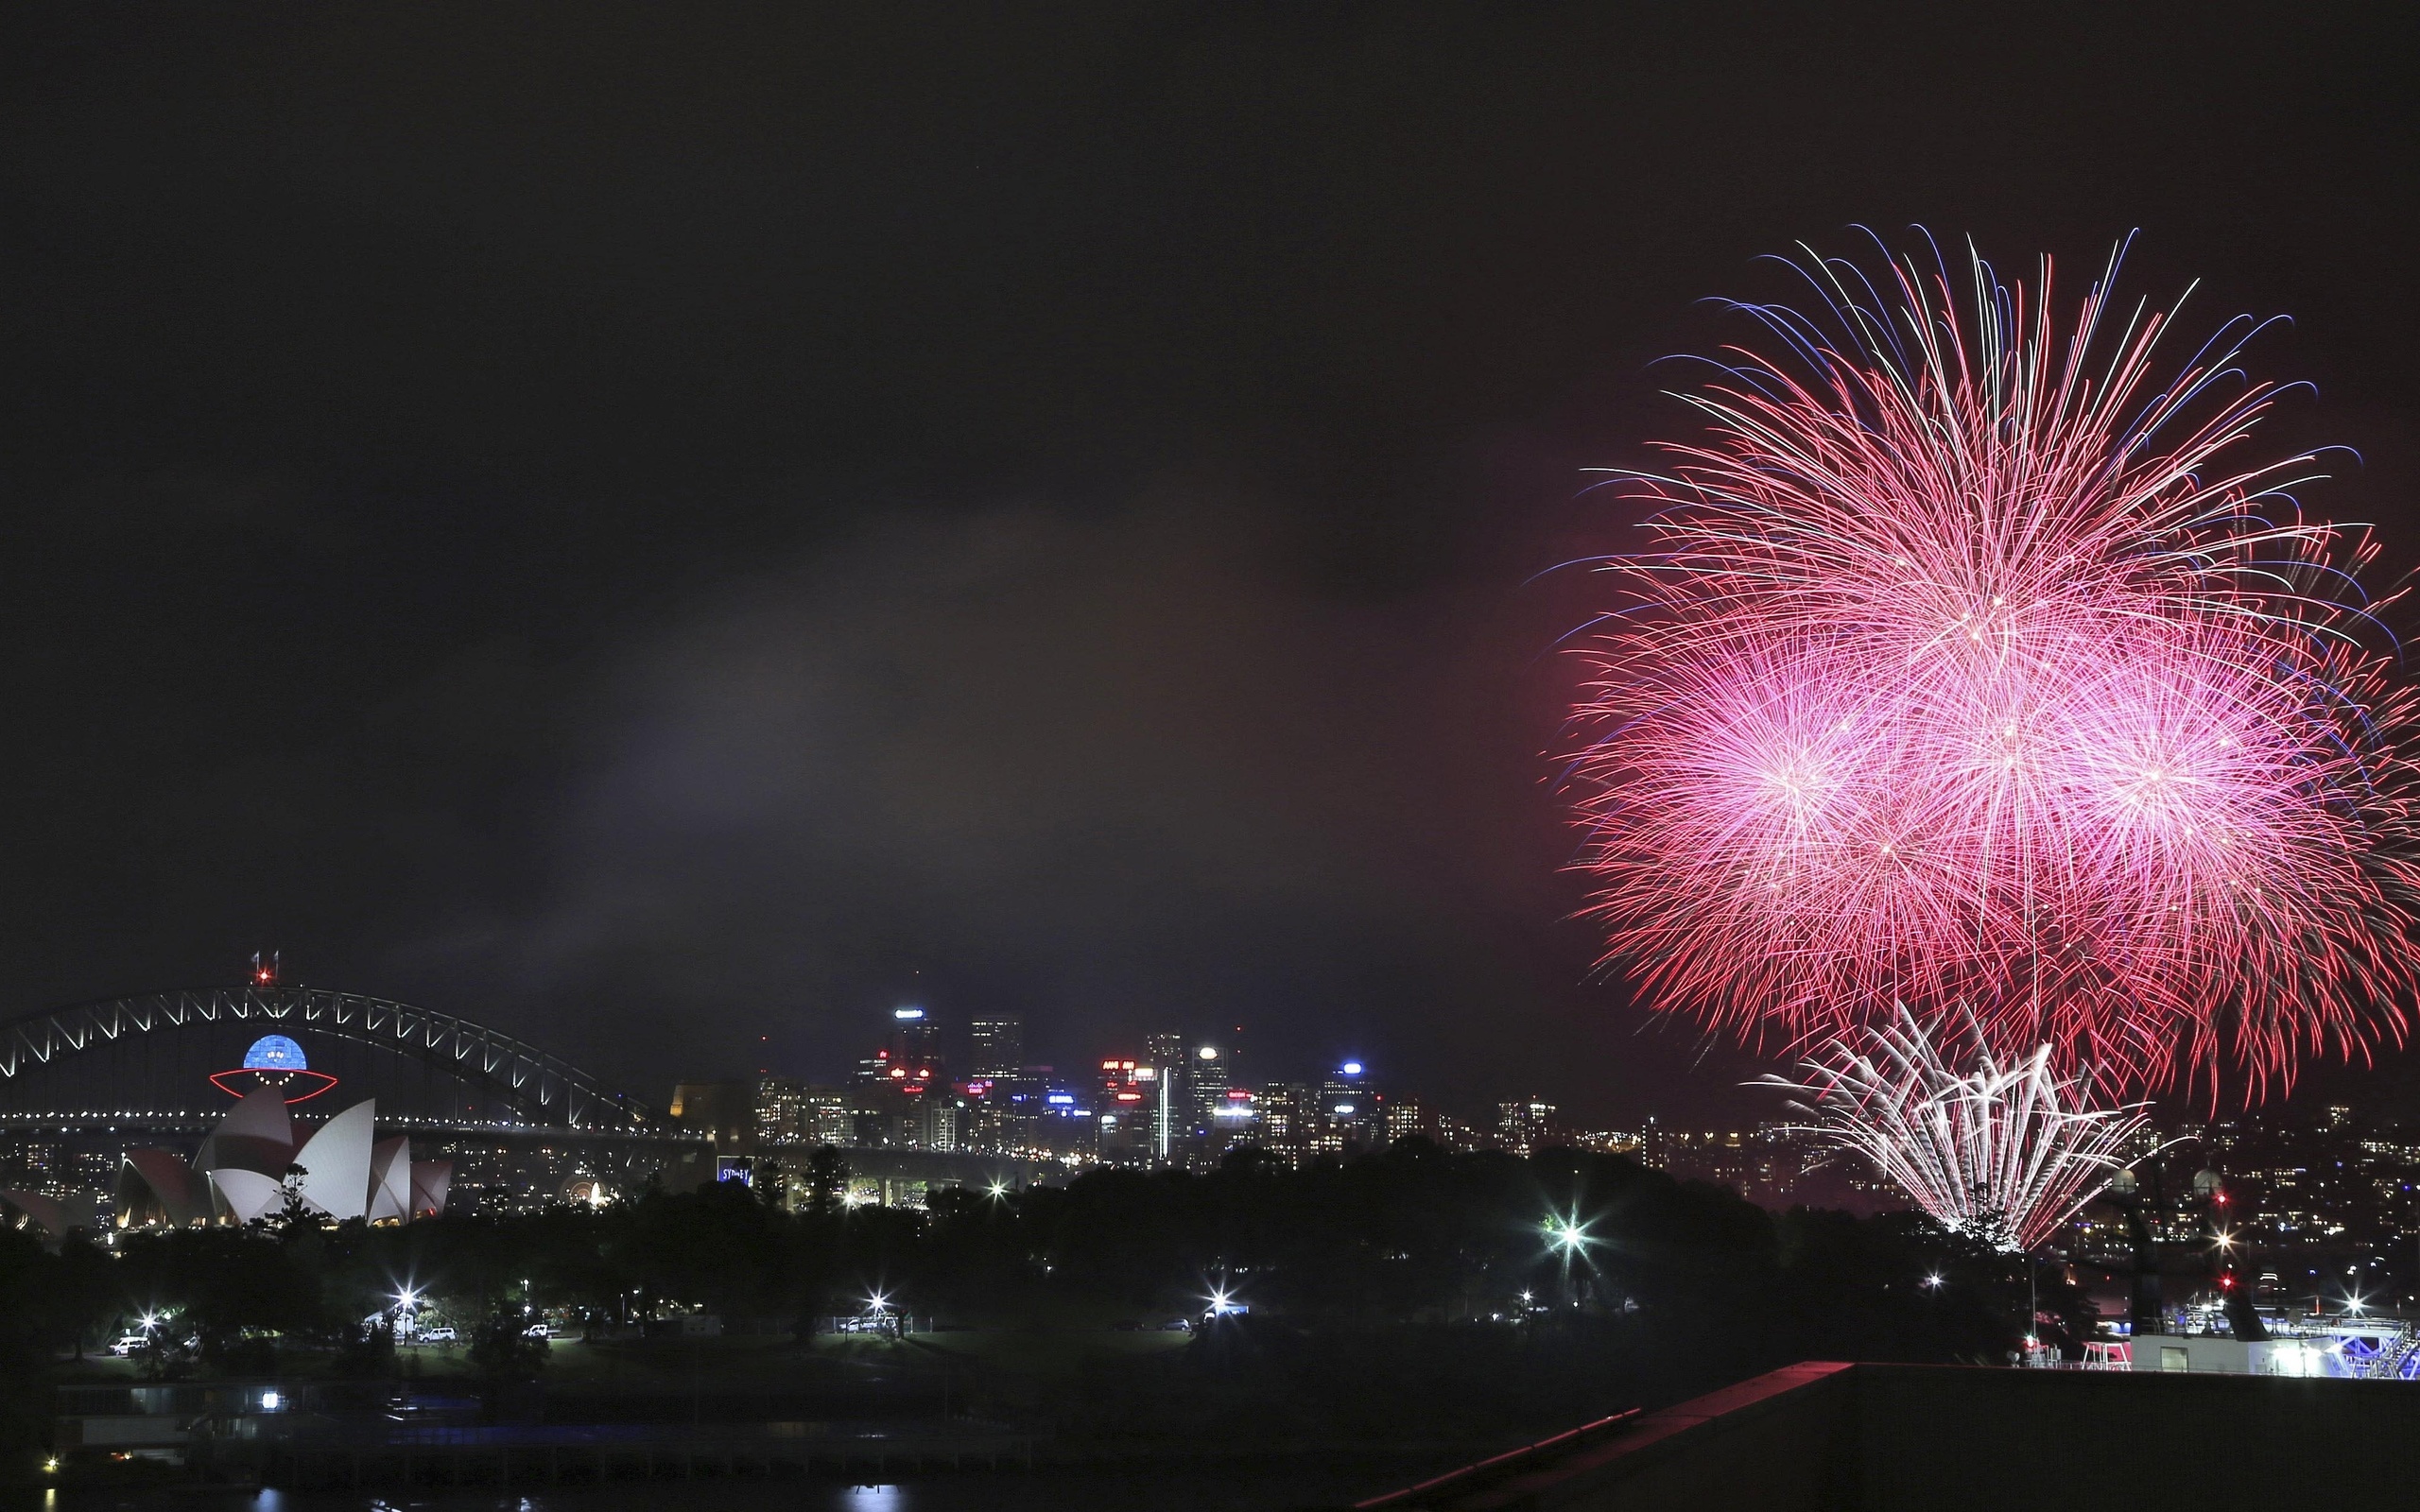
x=998 y=1190
x=1932 y=1282
x=1569 y=1235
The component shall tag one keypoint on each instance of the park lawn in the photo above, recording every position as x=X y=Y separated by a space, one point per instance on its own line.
x=1047 y=1353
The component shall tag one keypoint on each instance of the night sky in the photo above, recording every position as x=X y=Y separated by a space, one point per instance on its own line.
x=651 y=527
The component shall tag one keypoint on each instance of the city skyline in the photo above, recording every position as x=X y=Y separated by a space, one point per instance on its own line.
x=1091 y=556
x=1420 y=756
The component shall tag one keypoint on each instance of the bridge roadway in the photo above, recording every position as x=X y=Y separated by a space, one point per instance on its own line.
x=683 y=1161
x=194 y=1124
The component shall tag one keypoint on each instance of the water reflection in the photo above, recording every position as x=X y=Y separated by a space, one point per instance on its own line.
x=1326 y=1480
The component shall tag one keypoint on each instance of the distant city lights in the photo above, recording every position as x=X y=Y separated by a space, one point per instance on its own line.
x=1351 y=1068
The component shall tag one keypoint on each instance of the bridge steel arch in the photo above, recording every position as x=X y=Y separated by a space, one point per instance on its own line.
x=542 y=1087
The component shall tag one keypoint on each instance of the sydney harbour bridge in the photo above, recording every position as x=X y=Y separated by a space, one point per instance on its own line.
x=81 y=1084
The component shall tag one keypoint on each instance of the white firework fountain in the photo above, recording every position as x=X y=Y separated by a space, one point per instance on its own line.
x=2005 y=1153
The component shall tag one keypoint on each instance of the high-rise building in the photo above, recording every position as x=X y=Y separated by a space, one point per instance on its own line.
x=1214 y=1071
x=1287 y=1115
x=998 y=1043
x=1522 y=1125
x=916 y=1042
x=792 y=1112
x=778 y=1108
x=940 y=1123
x=1128 y=1112
x=1170 y=1060
x=1234 y=1122
x=1351 y=1112
x=1408 y=1117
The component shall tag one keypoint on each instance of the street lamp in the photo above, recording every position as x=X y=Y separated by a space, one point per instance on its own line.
x=1569 y=1235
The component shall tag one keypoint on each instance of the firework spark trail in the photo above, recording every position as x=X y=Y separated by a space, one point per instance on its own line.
x=1967 y=667
x=2006 y=1152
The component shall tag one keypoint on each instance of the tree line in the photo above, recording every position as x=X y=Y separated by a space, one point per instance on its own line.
x=1683 y=1281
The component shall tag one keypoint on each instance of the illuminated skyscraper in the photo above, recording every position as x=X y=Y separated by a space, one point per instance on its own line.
x=791 y=1112
x=1523 y=1125
x=1287 y=1114
x=1213 y=1070
x=998 y=1047
x=916 y=1042
x=1171 y=1099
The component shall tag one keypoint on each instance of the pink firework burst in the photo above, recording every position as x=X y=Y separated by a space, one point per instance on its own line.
x=1968 y=665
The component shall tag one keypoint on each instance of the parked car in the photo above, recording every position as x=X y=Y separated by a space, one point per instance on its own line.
x=539 y=1331
x=442 y=1335
x=1176 y=1325
x=1126 y=1325
x=129 y=1343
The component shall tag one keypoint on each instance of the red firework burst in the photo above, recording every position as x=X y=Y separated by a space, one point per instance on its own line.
x=1969 y=666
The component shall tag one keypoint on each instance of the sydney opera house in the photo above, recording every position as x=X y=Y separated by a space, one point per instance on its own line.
x=260 y=1160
